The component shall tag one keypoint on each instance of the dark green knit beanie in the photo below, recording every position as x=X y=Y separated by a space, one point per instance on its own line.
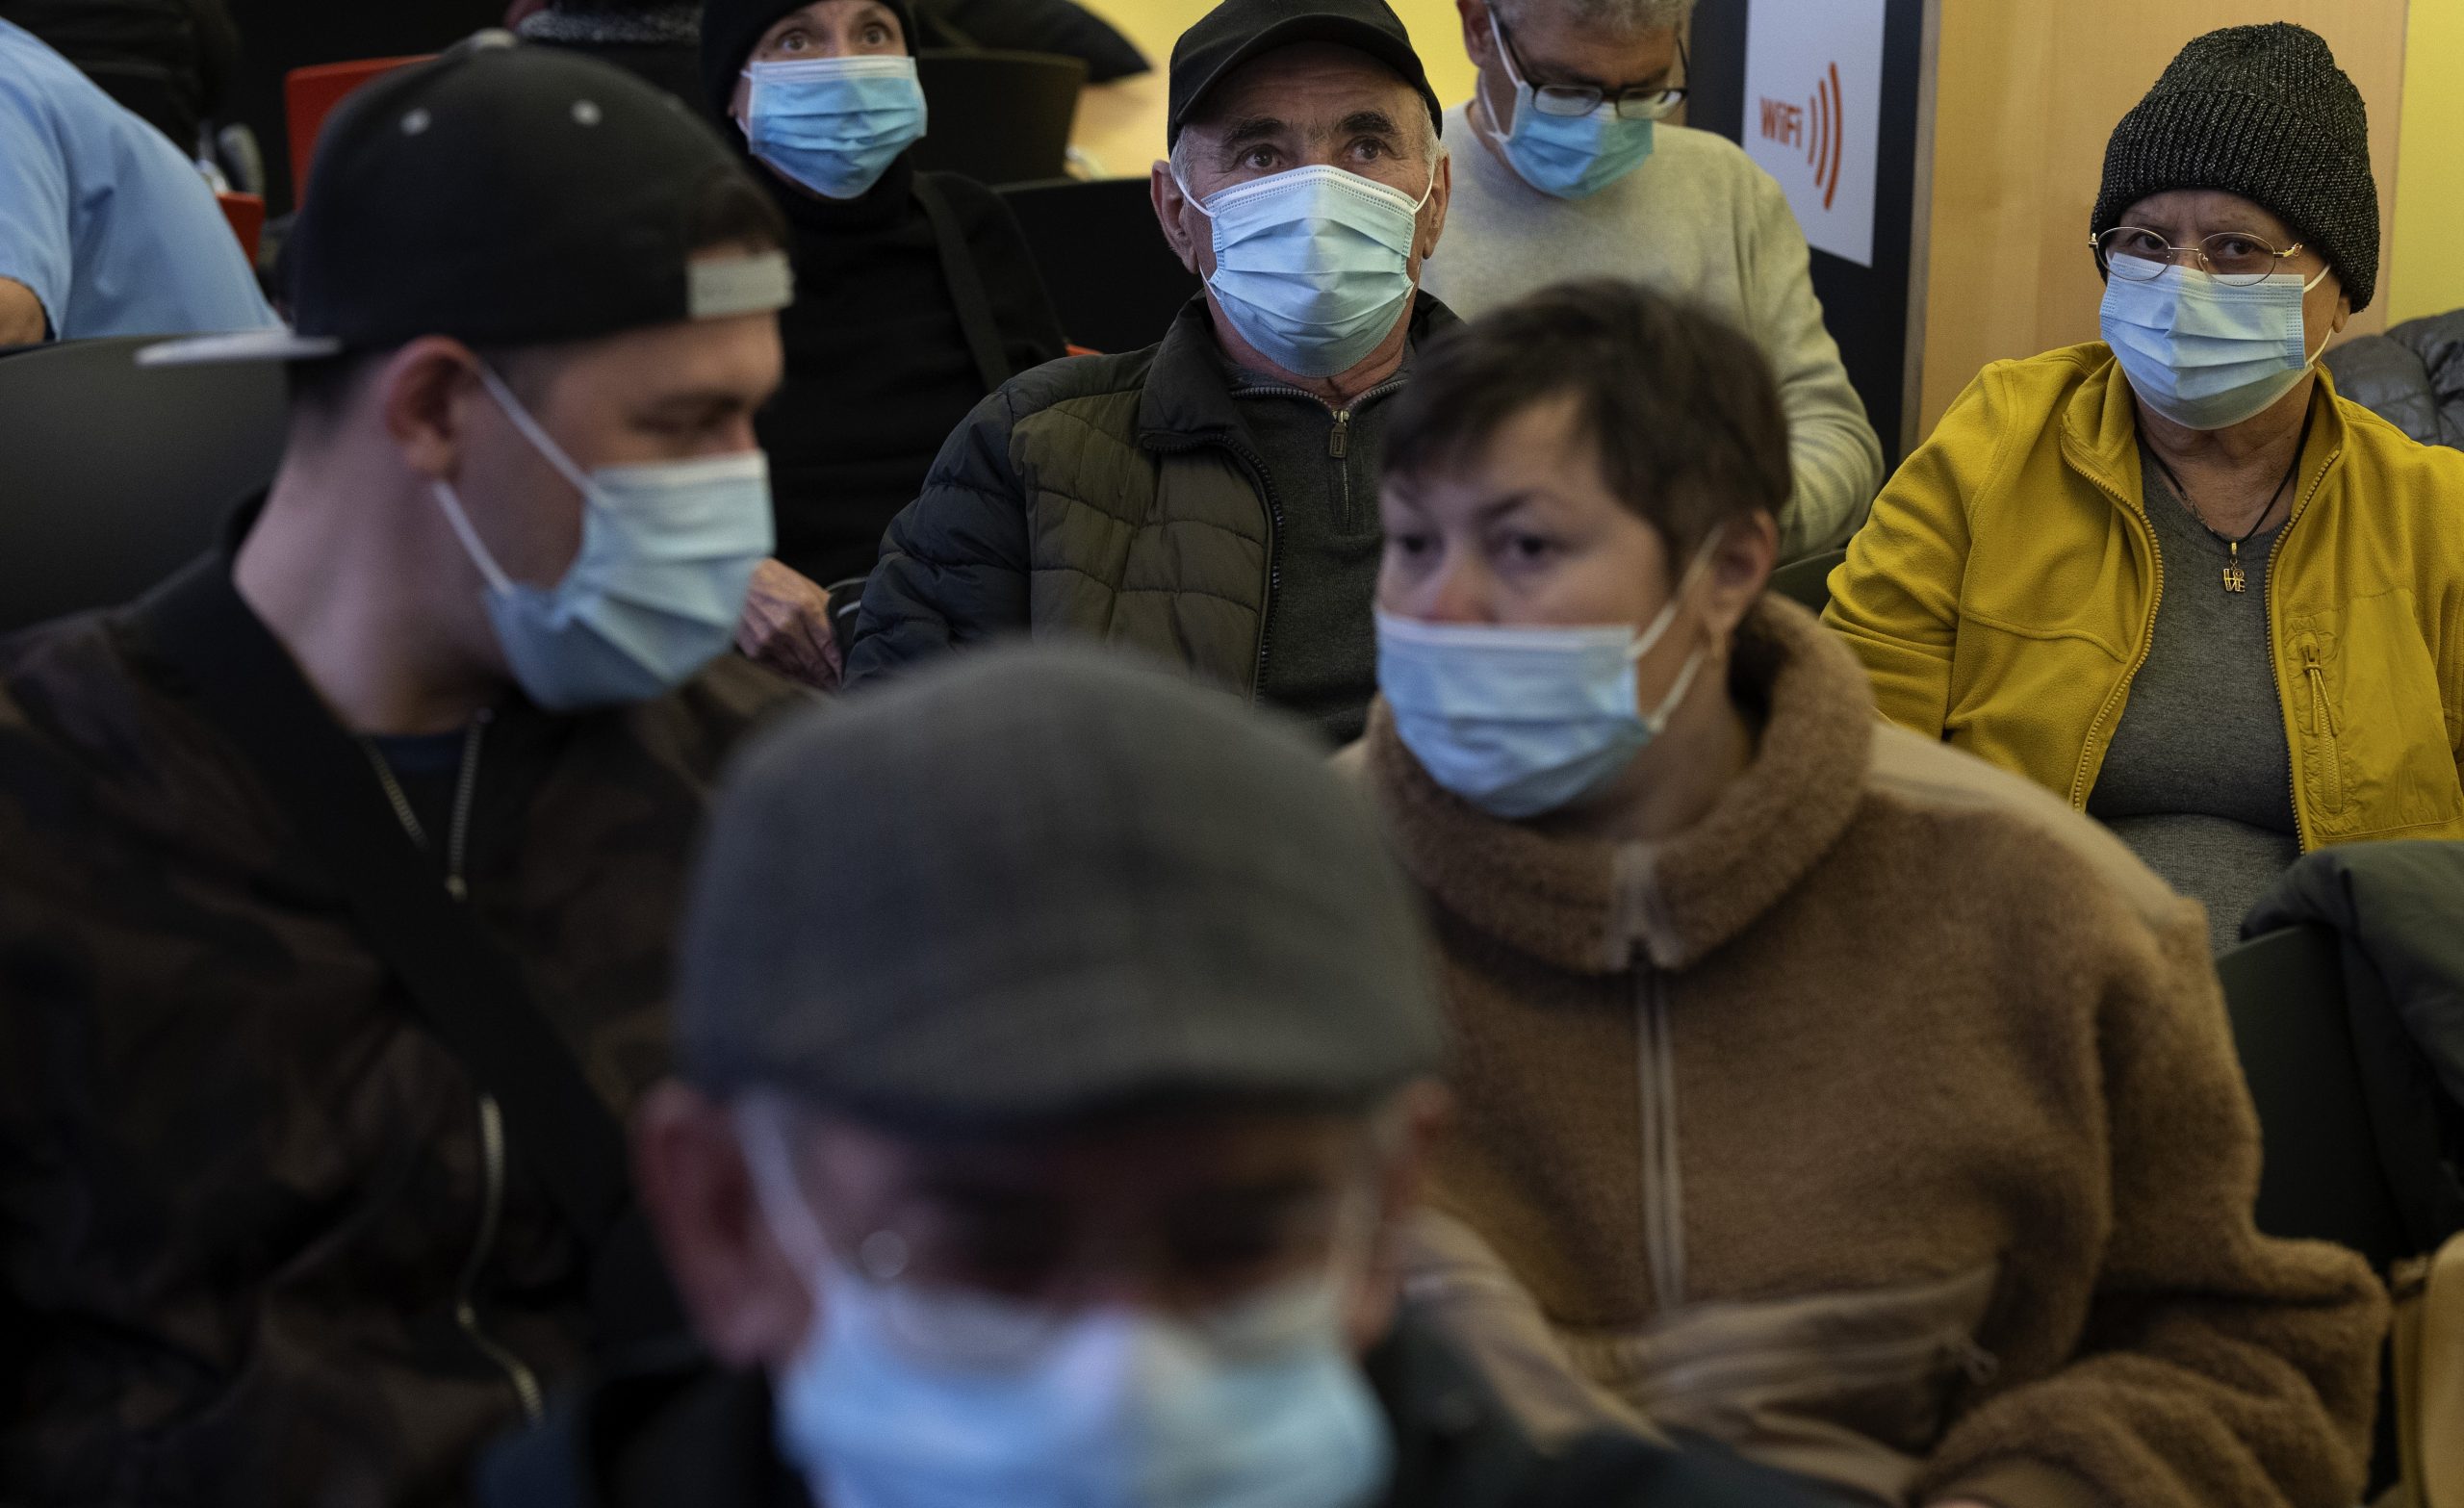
x=2265 y=113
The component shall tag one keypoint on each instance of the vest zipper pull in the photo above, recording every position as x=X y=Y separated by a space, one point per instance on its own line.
x=1339 y=440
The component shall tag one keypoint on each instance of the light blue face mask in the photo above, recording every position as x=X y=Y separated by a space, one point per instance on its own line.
x=1568 y=156
x=1524 y=721
x=833 y=124
x=911 y=1397
x=1313 y=265
x=667 y=556
x=2205 y=354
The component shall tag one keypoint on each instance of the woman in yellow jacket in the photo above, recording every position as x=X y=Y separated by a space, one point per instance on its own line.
x=2170 y=575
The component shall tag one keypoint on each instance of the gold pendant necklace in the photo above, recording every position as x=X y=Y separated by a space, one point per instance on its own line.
x=2236 y=579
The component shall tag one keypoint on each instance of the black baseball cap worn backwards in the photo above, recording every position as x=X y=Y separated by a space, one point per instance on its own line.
x=1239 y=30
x=504 y=194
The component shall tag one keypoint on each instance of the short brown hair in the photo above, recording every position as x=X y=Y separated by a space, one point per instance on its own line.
x=1680 y=405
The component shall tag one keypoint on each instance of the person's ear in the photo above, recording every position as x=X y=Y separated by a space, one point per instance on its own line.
x=1739 y=570
x=1441 y=193
x=746 y=1300
x=1410 y=1125
x=1171 y=212
x=425 y=393
x=1478 y=40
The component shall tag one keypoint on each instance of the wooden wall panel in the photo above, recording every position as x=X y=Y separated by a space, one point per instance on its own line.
x=2425 y=264
x=2027 y=94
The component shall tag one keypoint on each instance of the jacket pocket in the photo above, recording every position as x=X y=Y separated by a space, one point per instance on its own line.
x=1854 y=1387
x=2371 y=722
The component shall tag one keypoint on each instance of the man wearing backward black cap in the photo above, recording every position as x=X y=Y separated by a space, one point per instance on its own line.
x=1213 y=500
x=337 y=874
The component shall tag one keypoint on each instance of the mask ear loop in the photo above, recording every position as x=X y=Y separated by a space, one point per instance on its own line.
x=1657 y=720
x=1489 y=125
x=529 y=429
x=451 y=501
x=762 y=1132
x=489 y=571
x=1666 y=618
x=2309 y=358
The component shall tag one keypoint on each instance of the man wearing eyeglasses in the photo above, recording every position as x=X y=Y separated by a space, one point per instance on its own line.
x=1579 y=173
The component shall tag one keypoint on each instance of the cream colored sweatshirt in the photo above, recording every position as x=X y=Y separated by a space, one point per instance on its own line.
x=1697 y=219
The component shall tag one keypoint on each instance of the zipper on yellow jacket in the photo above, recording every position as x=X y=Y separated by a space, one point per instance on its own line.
x=2089 y=759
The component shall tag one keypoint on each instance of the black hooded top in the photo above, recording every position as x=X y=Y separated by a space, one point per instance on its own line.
x=879 y=369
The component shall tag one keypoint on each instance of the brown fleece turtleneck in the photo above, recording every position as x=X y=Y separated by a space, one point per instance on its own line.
x=1889 y=1039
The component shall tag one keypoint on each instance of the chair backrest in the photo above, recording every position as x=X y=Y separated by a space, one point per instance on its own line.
x=309 y=96
x=999 y=117
x=2321 y=1176
x=1114 y=281
x=1807 y=581
x=117 y=472
x=246 y=214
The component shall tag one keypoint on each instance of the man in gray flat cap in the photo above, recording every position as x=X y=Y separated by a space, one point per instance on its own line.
x=1052 y=1151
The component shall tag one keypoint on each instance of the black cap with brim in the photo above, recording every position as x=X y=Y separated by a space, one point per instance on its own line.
x=505 y=196
x=1237 y=30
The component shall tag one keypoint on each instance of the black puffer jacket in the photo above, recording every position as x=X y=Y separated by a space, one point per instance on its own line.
x=2412 y=376
x=1112 y=498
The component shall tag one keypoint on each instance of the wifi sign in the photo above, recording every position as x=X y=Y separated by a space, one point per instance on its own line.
x=1820 y=142
x=1787 y=124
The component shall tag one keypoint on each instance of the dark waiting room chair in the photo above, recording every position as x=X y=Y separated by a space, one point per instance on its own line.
x=117 y=473
x=1114 y=281
x=2321 y=1175
x=1807 y=581
x=999 y=117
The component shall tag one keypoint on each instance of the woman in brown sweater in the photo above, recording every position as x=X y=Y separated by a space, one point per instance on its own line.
x=1822 y=1090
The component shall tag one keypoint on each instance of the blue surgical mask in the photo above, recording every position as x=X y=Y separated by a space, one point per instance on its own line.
x=1568 y=156
x=2205 y=354
x=667 y=556
x=1313 y=265
x=1524 y=721
x=833 y=124
x=911 y=1397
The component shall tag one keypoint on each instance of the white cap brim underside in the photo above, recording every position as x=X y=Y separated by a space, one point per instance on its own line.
x=207 y=351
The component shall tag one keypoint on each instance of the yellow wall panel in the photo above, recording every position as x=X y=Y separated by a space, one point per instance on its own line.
x=2425 y=262
x=2027 y=94
x=1122 y=125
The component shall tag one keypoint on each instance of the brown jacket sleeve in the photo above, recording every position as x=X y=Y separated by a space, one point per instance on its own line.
x=2216 y=1365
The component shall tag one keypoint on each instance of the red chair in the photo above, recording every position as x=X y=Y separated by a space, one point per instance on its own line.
x=246 y=212
x=310 y=94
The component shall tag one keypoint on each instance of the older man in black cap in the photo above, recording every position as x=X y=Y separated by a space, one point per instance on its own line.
x=1213 y=500
x=337 y=874
x=1062 y=1165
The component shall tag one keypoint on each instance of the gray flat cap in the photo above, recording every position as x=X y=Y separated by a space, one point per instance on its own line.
x=1038 y=883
